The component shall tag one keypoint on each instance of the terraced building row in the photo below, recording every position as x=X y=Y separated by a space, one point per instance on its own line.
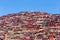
x=30 y=26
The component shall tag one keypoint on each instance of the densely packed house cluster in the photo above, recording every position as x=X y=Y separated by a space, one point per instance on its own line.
x=30 y=26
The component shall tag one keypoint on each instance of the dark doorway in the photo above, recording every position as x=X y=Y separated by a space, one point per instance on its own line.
x=1 y=39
